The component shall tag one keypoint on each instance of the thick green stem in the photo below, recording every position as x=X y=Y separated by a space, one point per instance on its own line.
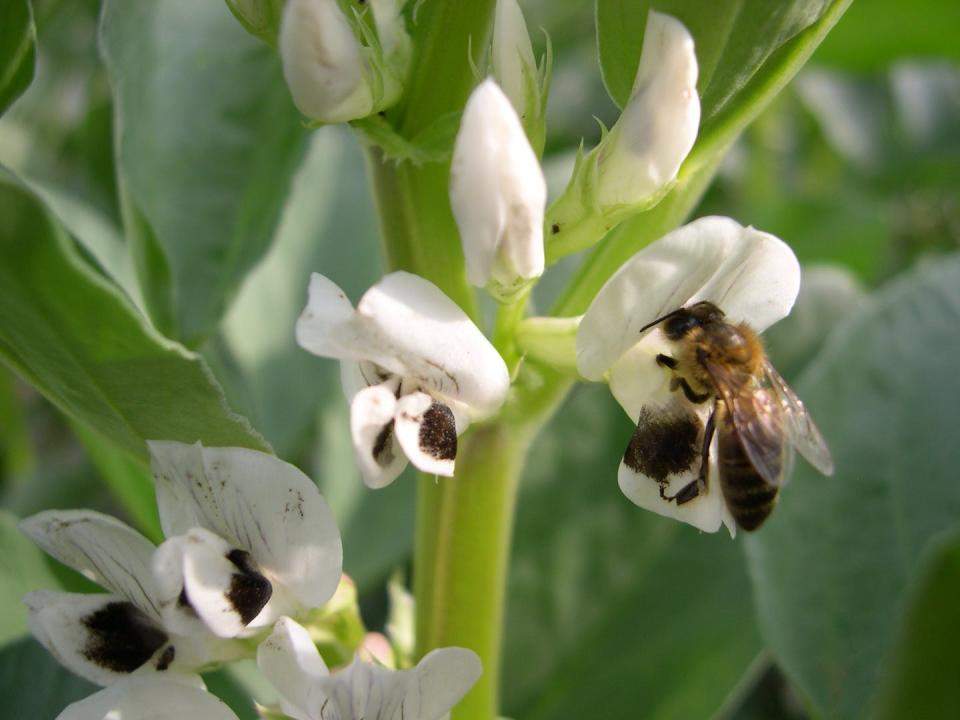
x=464 y=527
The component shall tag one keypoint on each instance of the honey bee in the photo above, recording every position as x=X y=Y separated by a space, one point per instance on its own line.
x=757 y=418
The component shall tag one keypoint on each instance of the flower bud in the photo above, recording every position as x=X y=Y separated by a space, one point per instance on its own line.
x=332 y=76
x=515 y=69
x=657 y=129
x=498 y=193
x=259 y=17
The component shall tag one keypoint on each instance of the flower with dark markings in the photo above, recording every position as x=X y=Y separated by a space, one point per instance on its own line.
x=752 y=276
x=249 y=539
x=414 y=367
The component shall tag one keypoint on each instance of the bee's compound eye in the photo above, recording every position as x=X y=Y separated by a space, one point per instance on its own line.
x=679 y=325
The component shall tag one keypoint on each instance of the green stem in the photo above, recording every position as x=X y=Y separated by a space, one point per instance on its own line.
x=464 y=527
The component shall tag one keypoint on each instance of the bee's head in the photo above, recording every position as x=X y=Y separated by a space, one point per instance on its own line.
x=679 y=323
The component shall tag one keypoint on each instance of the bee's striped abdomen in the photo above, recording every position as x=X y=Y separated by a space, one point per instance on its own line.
x=749 y=497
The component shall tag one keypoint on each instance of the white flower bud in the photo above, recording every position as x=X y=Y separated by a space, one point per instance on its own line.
x=498 y=194
x=644 y=150
x=332 y=76
x=515 y=68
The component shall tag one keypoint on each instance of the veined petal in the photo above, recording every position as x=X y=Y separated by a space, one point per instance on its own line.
x=423 y=334
x=323 y=327
x=498 y=193
x=659 y=125
x=752 y=276
x=151 y=697
x=427 y=432
x=323 y=63
x=256 y=503
x=375 y=447
x=290 y=661
x=100 y=547
x=199 y=571
x=99 y=637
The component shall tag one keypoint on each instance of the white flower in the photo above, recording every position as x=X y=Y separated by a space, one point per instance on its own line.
x=498 y=194
x=751 y=276
x=151 y=697
x=645 y=148
x=250 y=539
x=290 y=661
x=416 y=370
x=331 y=75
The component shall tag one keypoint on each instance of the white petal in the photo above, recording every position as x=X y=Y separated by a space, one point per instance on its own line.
x=290 y=661
x=323 y=62
x=99 y=637
x=153 y=697
x=512 y=54
x=378 y=456
x=443 y=677
x=636 y=379
x=498 y=192
x=102 y=548
x=751 y=275
x=215 y=579
x=320 y=326
x=427 y=432
x=659 y=124
x=705 y=512
x=422 y=334
x=256 y=503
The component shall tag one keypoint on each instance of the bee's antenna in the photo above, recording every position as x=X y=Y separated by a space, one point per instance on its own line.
x=660 y=320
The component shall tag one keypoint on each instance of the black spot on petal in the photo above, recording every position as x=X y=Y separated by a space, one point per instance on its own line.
x=166 y=658
x=663 y=444
x=383 y=446
x=249 y=590
x=122 y=637
x=438 y=432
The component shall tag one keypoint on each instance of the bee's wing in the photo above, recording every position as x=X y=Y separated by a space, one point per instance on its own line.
x=798 y=425
x=757 y=417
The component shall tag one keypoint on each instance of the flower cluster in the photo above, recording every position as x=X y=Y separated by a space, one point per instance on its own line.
x=250 y=543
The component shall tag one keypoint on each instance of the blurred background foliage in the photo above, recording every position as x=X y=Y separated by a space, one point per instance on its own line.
x=843 y=606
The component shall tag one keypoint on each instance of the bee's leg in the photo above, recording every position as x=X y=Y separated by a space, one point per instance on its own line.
x=693 y=489
x=694 y=397
x=667 y=361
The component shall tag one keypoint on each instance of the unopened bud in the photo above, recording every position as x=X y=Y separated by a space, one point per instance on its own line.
x=498 y=193
x=515 y=69
x=657 y=129
x=332 y=75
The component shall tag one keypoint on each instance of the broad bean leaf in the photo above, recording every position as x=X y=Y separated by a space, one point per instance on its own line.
x=922 y=682
x=17 y=50
x=831 y=567
x=76 y=337
x=33 y=685
x=614 y=612
x=208 y=143
x=22 y=568
x=878 y=32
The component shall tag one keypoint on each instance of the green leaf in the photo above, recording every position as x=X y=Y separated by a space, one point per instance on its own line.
x=33 y=685
x=878 y=32
x=615 y=612
x=831 y=566
x=22 y=568
x=208 y=143
x=923 y=678
x=18 y=38
x=77 y=338
x=733 y=39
